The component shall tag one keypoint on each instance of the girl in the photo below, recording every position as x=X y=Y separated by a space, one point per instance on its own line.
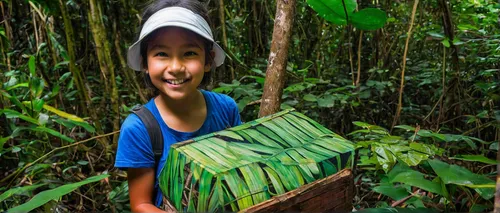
x=175 y=50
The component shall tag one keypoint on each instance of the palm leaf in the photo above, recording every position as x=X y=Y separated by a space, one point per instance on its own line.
x=236 y=168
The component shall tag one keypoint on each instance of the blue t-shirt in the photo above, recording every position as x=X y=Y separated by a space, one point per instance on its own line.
x=134 y=146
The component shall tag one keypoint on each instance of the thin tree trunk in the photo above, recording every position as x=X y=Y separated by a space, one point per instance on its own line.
x=222 y=19
x=449 y=31
x=497 y=193
x=105 y=61
x=276 y=69
x=350 y=55
x=8 y=32
x=359 y=57
x=76 y=72
x=408 y=36
x=455 y=89
x=129 y=74
x=4 y=125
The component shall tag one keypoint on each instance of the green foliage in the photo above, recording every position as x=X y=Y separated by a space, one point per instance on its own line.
x=48 y=195
x=451 y=90
x=340 y=12
x=412 y=161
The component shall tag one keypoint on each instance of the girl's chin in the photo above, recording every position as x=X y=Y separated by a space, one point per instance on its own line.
x=177 y=95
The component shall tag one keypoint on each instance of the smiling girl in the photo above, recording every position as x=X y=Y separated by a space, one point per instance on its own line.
x=175 y=50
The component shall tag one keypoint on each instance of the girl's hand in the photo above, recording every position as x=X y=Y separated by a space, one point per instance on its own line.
x=141 y=184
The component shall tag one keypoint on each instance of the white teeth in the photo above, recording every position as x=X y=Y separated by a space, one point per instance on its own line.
x=177 y=81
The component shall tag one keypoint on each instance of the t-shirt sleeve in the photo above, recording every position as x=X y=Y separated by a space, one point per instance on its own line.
x=134 y=146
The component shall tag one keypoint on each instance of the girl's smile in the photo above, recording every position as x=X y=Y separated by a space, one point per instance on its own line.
x=176 y=62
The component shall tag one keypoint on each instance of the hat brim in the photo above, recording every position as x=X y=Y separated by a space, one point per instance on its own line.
x=134 y=58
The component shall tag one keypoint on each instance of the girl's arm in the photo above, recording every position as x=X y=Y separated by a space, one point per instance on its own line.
x=141 y=184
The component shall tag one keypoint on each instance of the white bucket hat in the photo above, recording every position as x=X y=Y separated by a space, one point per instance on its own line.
x=177 y=17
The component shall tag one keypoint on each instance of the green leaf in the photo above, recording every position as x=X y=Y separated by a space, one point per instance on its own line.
x=62 y=113
x=424 y=148
x=333 y=10
x=54 y=133
x=327 y=101
x=26 y=84
x=456 y=41
x=494 y=146
x=384 y=157
x=48 y=195
x=436 y=35
x=310 y=98
x=31 y=65
x=404 y=174
x=37 y=85
x=476 y=158
x=408 y=128
x=452 y=174
x=2 y=142
x=412 y=158
x=275 y=180
x=15 y=114
x=394 y=192
x=446 y=42
x=368 y=19
x=18 y=191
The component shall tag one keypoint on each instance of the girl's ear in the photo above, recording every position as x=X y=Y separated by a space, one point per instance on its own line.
x=210 y=63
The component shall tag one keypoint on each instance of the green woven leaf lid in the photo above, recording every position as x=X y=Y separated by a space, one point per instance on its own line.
x=239 y=167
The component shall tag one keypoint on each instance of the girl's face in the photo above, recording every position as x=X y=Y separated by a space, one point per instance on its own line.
x=176 y=62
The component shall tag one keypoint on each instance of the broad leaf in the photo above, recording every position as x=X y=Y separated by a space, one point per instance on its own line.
x=476 y=158
x=333 y=10
x=404 y=174
x=18 y=191
x=48 y=195
x=452 y=174
x=368 y=19
x=395 y=193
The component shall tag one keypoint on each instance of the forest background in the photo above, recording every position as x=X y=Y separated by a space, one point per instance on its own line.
x=66 y=89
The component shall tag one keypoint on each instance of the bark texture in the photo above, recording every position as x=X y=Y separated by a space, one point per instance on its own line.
x=106 y=63
x=276 y=69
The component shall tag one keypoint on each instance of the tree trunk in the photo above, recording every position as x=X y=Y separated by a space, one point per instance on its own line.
x=106 y=64
x=449 y=31
x=497 y=193
x=222 y=19
x=129 y=73
x=76 y=72
x=276 y=69
x=73 y=68
x=8 y=32
x=401 y=87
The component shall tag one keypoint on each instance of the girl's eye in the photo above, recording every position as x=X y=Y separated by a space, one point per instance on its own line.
x=161 y=54
x=190 y=53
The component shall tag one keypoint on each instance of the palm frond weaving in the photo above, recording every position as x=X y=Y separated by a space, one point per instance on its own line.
x=245 y=165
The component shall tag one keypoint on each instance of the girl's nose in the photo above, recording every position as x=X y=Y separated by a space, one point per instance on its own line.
x=176 y=65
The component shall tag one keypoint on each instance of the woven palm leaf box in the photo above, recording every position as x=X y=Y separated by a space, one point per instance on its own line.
x=274 y=157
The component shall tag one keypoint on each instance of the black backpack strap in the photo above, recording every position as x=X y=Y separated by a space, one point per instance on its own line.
x=154 y=131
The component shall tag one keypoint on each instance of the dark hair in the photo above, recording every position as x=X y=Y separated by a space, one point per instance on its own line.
x=194 y=5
